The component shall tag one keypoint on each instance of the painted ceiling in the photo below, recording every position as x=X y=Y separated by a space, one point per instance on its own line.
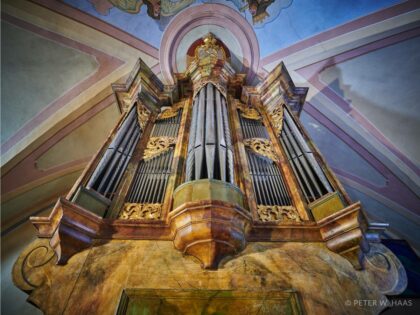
x=360 y=60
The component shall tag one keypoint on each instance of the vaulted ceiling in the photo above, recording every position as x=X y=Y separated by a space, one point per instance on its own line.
x=360 y=60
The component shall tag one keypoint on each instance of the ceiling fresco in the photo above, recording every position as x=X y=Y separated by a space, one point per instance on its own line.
x=277 y=24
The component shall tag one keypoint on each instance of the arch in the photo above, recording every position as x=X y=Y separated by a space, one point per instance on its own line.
x=208 y=14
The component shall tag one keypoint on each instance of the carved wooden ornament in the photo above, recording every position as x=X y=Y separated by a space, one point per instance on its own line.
x=262 y=147
x=136 y=211
x=278 y=213
x=158 y=145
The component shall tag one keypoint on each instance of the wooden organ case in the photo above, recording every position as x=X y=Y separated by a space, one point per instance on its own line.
x=227 y=174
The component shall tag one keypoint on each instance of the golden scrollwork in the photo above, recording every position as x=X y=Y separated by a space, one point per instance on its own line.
x=171 y=111
x=250 y=113
x=278 y=213
x=158 y=145
x=142 y=115
x=168 y=113
x=262 y=147
x=276 y=116
x=138 y=211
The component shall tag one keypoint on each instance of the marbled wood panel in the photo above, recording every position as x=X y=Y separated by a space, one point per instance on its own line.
x=324 y=280
x=49 y=286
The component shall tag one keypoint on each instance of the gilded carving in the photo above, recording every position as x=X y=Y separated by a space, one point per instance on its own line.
x=248 y=112
x=158 y=145
x=209 y=52
x=278 y=213
x=171 y=111
x=168 y=113
x=276 y=116
x=142 y=115
x=136 y=211
x=262 y=147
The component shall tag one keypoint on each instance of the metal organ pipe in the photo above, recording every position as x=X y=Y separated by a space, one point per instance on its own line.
x=111 y=167
x=210 y=153
x=151 y=178
x=267 y=180
x=309 y=174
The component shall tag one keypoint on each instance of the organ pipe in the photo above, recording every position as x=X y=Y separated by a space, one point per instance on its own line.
x=267 y=180
x=111 y=167
x=309 y=174
x=210 y=153
x=152 y=175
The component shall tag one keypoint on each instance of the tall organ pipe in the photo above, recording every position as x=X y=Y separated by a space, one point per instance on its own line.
x=210 y=153
x=113 y=163
x=267 y=180
x=310 y=176
x=151 y=178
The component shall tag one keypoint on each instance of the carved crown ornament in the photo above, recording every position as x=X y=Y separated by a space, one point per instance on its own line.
x=209 y=53
x=157 y=146
x=210 y=64
x=261 y=147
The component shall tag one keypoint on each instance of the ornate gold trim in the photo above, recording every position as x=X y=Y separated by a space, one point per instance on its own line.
x=276 y=116
x=157 y=145
x=262 y=147
x=249 y=113
x=136 y=211
x=171 y=111
x=142 y=115
x=278 y=213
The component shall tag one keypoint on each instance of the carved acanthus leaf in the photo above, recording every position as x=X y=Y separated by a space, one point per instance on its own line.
x=136 y=211
x=158 y=145
x=249 y=113
x=276 y=116
x=142 y=115
x=171 y=111
x=168 y=113
x=262 y=147
x=278 y=213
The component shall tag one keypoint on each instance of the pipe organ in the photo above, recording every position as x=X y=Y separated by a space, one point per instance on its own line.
x=213 y=166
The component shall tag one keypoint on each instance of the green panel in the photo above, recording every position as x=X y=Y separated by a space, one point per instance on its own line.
x=92 y=201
